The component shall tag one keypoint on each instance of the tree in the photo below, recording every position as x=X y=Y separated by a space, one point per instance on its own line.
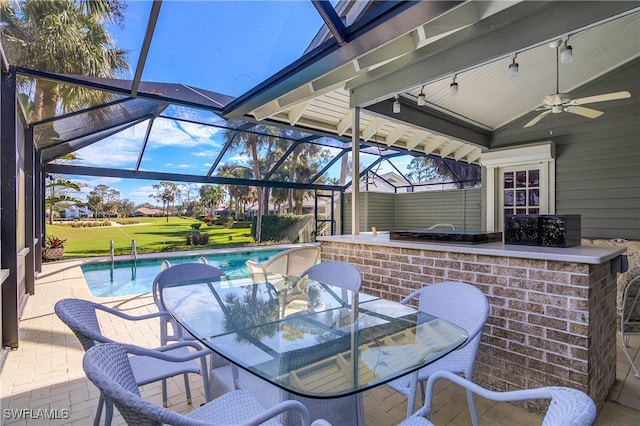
x=166 y=194
x=210 y=197
x=66 y=37
x=260 y=146
x=58 y=192
x=103 y=200
x=186 y=200
x=422 y=169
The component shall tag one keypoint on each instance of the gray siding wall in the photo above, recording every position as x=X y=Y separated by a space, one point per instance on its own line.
x=461 y=208
x=385 y=211
x=597 y=161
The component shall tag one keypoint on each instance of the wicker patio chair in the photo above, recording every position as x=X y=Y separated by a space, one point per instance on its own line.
x=175 y=273
x=108 y=367
x=340 y=274
x=179 y=358
x=289 y=262
x=170 y=330
x=568 y=407
x=461 y=304
x=630 y=314
x=339 y=410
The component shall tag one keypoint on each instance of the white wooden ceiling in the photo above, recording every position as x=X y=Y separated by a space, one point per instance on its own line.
x=476 y=42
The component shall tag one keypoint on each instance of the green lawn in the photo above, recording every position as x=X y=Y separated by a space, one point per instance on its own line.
x=151 y=235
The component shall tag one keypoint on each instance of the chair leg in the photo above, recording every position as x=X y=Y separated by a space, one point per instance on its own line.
x=472 y=408
x=625 y=343
x=108 y=411
x=360 y=406
x=165 y=402
x=411 y=398
x=96 y=420
x=187 y=388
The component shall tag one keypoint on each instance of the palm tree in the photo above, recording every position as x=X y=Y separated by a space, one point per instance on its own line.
x=210 y=197
x=58 y=189
x=260 y=145
x=166 y=194
x=63 y=36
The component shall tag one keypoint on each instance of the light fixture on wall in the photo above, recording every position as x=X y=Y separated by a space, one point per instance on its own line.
x=396 y=105
x=453 y=87
x=566 y=52
x=422 y=99
x=514 y=68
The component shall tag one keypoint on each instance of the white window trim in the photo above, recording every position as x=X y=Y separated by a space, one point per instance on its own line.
x=541 y=154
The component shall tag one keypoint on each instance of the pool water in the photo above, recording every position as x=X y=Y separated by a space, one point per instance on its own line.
x=129 y=278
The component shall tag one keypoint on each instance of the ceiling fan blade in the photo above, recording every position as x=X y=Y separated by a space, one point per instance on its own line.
x=537 y=118
x=585 y=112
x=601 y=98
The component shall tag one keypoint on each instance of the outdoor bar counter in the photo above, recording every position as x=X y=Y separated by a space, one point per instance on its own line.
x=553 y=310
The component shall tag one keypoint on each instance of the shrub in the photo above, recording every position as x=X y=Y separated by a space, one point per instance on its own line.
x=281 y=226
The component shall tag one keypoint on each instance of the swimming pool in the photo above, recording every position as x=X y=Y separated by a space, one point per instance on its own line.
x=127 y=278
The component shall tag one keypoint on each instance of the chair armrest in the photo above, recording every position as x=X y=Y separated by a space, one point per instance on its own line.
x=132 y=317
x=160 y=352
x=410 y=297
x=518 y=395
x=254 y=267
x=276 y=410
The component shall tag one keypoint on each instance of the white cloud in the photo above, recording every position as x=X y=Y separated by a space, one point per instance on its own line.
x=167 y=132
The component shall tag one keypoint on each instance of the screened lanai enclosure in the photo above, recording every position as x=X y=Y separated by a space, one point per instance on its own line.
x=390 y=113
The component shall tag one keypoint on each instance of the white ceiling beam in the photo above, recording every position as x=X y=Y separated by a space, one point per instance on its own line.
x=418 y=138
x=521 y=26
x=370 y=130
x=434 y=144
x=463 y=151
x=266 y=111
x=392 y=50
x=396 y=134
x=337 y=76
x=304 y=94
x=474 y=156
x=295 y=113
x=344 y=124
x=446 y=150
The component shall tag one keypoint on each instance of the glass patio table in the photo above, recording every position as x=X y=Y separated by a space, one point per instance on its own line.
x=305 y=336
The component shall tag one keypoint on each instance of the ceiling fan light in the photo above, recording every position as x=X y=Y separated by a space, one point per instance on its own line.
x=422 y=99
x=396 y=106
x=513 y=70
x=453 y=88
x=566 y=54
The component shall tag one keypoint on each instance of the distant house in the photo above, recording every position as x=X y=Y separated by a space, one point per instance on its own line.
x=145 y=211
x=225 y=210
x=76 y=212
x=393 y=182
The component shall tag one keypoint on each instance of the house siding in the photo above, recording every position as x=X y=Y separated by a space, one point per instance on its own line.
x=597 y=173
x=385 y=211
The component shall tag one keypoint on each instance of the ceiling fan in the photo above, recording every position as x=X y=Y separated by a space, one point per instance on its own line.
x=563 y=102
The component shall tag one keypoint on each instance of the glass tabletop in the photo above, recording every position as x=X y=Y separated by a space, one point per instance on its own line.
x=303 y=335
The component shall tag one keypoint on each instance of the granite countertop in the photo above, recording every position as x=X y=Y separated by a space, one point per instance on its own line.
x=580 y=254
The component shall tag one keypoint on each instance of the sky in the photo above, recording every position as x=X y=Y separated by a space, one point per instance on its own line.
x=223 y=46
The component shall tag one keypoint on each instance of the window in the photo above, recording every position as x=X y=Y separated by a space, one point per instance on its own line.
x=519 y=181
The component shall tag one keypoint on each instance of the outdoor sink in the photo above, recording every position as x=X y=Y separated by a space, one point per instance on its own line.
x=446 y=236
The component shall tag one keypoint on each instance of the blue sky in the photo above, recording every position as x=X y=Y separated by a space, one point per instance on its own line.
x=223 y=46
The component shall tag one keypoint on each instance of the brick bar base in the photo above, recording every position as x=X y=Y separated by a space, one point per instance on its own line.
x=551 y=323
